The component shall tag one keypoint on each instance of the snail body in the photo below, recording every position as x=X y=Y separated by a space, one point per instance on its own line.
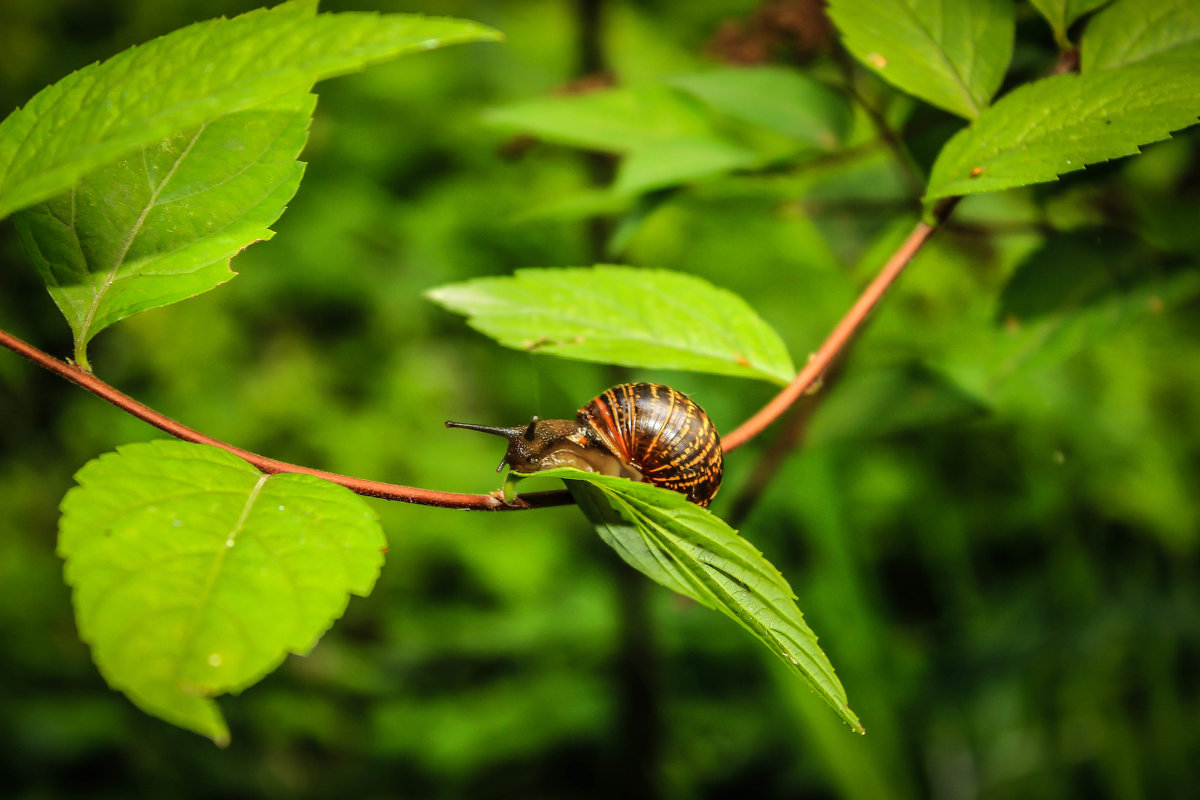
x=642 y=431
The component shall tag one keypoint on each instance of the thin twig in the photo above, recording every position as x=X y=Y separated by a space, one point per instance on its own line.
x=388 y=491
x=842 y=333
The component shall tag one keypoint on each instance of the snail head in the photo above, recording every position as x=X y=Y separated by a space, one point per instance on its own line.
x=530 y=444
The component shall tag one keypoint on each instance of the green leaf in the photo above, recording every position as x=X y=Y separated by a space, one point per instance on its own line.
x=1061 y=14
x=1074 y=292
x=162 y=225
x=195 y=575
x=610 y=120
x=669 y=163
x=1060 y=124
x=622 y=315
x=951 y=53
x=104 y=111
x=1131 y=31
x=781 y=100
x=690 y=551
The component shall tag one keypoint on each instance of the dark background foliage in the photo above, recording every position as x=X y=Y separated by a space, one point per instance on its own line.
x=990 y=518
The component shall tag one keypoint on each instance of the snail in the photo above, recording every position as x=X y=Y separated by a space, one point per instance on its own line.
x=643 y=431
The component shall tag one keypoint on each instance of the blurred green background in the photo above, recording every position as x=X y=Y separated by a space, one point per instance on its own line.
x=990 y=513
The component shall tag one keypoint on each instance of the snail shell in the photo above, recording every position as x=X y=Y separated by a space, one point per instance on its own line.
x=642 y=431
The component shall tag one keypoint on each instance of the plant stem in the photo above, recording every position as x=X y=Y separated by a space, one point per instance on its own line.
x=813 y=370
x=842 y=332
x=388 y=491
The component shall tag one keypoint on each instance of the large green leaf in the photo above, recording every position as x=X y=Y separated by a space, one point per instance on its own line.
x=1134 y=30
x=195 y=575
x=1065 y=122
x=623 y=315
x=951 y=53
x=1061 y=14
x=161 y=225
x=103 y=111
x=690 y=551
x=781 y=100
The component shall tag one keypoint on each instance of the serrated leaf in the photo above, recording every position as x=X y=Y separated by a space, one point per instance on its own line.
x=1061 y=14
x=689 y=550
x=951 y=53
x=194 y=574
x=622 y=315
x=104 y=111
x=1131 y=31
x=162 y=225
x=781 y=100
x=1061 y=124
x=609 y=120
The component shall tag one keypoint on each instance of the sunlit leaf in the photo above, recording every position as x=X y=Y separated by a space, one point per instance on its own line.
x=691 y=551
x=622 y=315
x=1061 y=124
x=1130 y=31
x=194 y=574
x=104 y=111
x=951 y=53
x=161 y=225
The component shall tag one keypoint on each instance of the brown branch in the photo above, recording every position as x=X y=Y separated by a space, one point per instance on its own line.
x=842 y=333
x=388 y=491
x=816 y=367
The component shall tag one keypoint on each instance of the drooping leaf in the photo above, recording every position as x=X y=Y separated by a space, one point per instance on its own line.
x=1130 y=31
x=1061 y=14
x=194 y=575
x=1061 y=124
x=104 y=111
x=162 y=224
x=781 y=100
x=622 y=315
x=951 y=53
x=617 y=120
x=689 y=550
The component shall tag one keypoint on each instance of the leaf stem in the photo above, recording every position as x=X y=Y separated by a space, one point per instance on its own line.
x=842 y=333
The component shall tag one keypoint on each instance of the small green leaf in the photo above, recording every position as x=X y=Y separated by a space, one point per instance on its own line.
x=669 y=163
x=195 y=575
x=951 y=53
x=104 y=111
x=690 y=551
x=1060 y=124
x=622 y=315
x=781 y=100
x=1061 y=14
x=162 y=225
x=1134 y=30
x=609 y=120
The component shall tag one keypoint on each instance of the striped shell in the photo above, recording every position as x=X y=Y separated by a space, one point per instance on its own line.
x=661 y=432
